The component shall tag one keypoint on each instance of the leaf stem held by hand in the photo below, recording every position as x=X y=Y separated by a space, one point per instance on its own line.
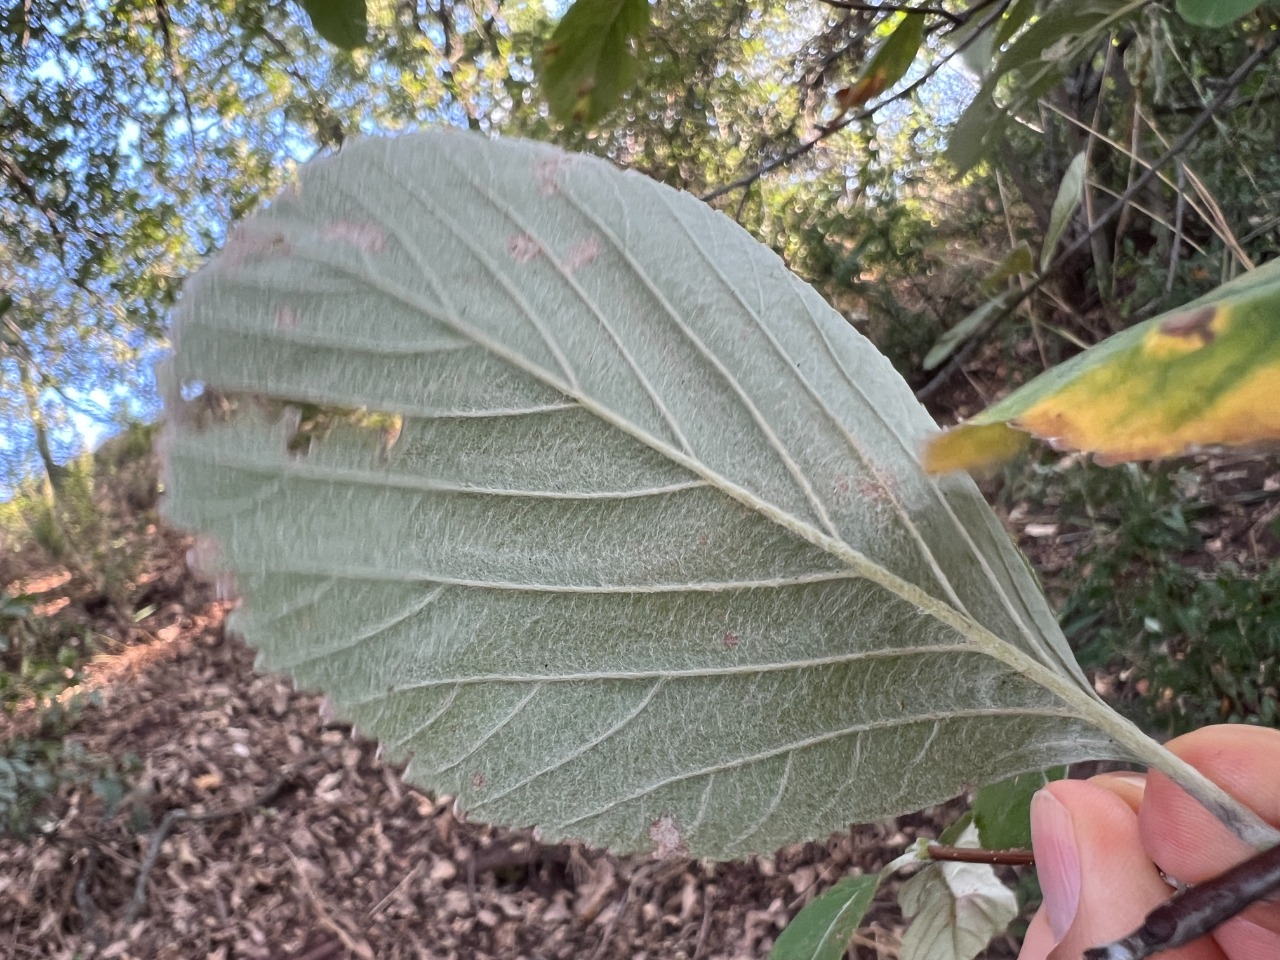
x=1198 y=910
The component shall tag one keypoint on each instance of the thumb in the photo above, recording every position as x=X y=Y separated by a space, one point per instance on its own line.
x=1098 y=883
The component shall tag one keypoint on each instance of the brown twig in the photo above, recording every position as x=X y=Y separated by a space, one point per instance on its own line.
x=1005 y=858
x=705 y=927
x=84 y=900
x=18 y=178
x=954 y=18
x=1198 y=910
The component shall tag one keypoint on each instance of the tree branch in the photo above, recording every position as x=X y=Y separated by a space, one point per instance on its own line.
x=22 y=183
x=954 y=18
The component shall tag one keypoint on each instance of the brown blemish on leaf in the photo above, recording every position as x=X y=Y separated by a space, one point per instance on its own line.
x=582 y=254
x=245 y=244
x=870 y=489
x=363 y=236
x=522 y=248
x=667 y=838
x=478 y=780
x=1197 y=323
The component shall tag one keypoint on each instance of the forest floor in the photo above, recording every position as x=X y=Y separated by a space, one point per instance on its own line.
x=236 y=819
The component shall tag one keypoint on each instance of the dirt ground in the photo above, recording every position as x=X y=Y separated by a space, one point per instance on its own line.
x=255 y=828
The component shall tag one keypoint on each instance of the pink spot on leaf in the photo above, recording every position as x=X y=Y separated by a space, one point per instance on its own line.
x=287 y=318
x=582 y=254
x=522 y=248
x=731 y=640
x=363 y=236
x=478 y=780
x=246 y=243
x=667 y=838
x=547 y=172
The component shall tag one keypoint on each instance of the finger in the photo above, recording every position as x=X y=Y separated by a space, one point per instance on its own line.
x=1129 y=787
x=1039 y=939
x=1184 y=838
x=1098 y=882
x=1191 y=845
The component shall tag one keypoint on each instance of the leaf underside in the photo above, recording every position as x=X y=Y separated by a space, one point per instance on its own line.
x=646 y=557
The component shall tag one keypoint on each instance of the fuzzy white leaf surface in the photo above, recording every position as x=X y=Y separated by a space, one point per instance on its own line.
x=650 y=560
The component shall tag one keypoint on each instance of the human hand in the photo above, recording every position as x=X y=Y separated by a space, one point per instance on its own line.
x=1098 y=844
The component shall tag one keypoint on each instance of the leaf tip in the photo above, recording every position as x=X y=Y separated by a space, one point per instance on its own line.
x=973 y=446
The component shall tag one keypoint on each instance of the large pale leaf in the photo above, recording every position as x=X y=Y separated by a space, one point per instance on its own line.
x=955 y=908
x=631 y=542
x=1205 y=375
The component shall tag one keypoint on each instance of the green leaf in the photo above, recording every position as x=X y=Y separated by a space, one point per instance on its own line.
x=890 y=62
x=1215 y=13
x=973 y=322
x=1015 y=18
x=1065 y=204
x=823 y=929
x=1002 y=811
x=343 y=23
x=955 y=908
x=607 y=522
x=1017 y=261
x=591 y=58
x=1033 y=63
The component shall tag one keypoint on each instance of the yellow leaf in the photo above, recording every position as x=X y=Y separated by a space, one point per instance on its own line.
x=1204 y=376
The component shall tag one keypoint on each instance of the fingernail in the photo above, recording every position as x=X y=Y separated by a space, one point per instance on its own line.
x=1057 y=861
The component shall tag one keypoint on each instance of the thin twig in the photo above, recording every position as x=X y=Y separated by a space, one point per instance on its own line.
x=705 y=927
x=805 y=146
x=1006 y=858
x=1175 y=248
x=354 y=943
x=1198 y=910
x=955 y=18
x=84 y=900
x=1137 y=186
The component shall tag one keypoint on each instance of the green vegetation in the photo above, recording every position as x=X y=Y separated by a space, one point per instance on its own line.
x=1187 y=642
